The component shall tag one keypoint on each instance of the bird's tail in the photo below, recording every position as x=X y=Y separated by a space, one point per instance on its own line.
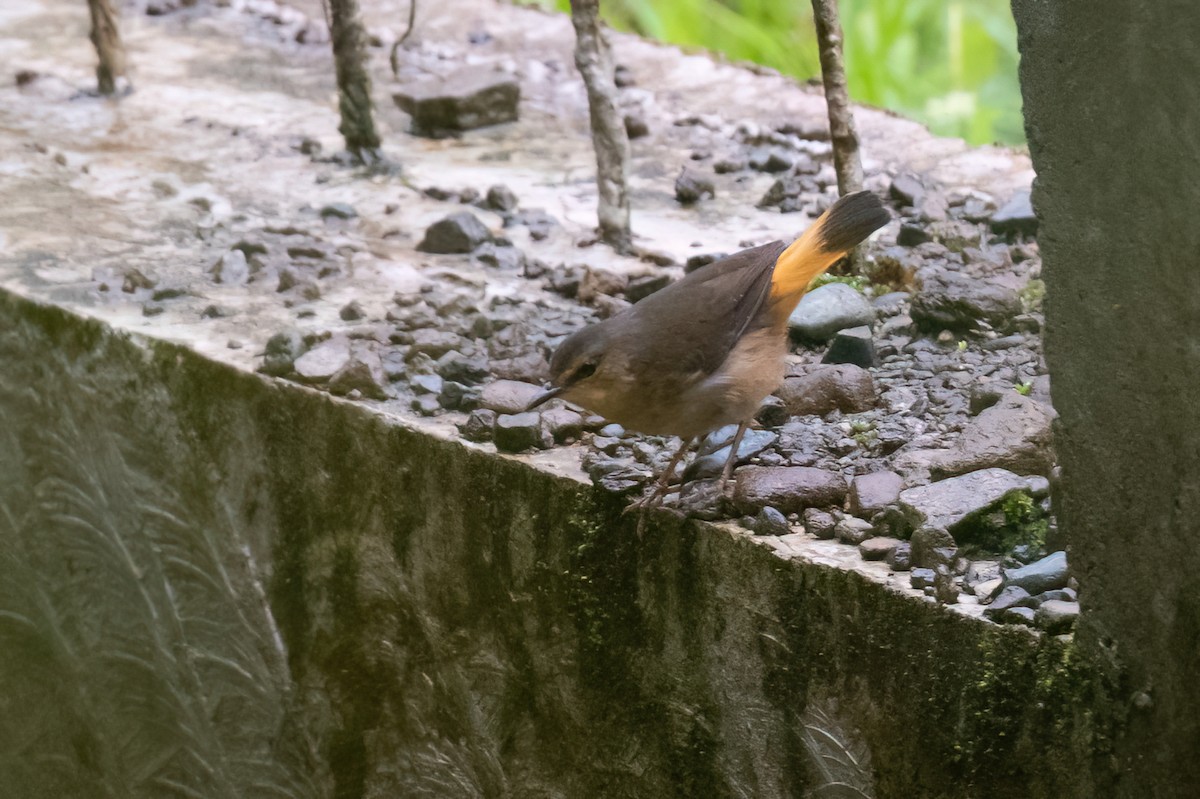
x=835 y=233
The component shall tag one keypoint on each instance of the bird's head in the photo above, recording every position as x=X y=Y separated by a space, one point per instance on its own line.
x=582 y=369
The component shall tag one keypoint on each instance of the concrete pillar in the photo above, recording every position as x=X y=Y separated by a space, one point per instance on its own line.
x=1112 y=108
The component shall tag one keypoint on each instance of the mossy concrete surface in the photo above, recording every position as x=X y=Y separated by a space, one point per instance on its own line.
x=217 y=584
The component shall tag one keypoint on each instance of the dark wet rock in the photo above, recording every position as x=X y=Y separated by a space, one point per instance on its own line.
x=948 y=299
x=352 y=311
x=600 y=282
x=467 y=99
x=1007 y=598
x=853 y=345
x=819 y=523
x=728 y=164
x=931 y=546
x=427 y=384
x=691 y=187
x=231 y=269
x=153 y=308
x=640 y=288
x=338 y=211
x=827 y=309
x=500 y=256
x=1043 y=575
x=988 y=589
x=479 y=425
x=789 y=193
x=521 y=431
x=912 y=234
x=459 y=232
x=851 y=530
x=636 y=126
x=1057 y=616
x=500 y=198
x=791 y=489
x=981 y=573
x=564 y=424
x=539 y=223
x=957 y=504
x=825 y=388
x=772 y=412
x=463 y=368
x=425 y=405
x=1013 y=434
x=716 y=447
x=871 y=493
x=323 y=361
x=879 y=548
x=282 y=350
x=1018 y=614
x=455 y=396
x=362 y=372
x=136 y=280
x=529 y=368
x=921 y=578
x=696 y=261
x=906 y=189
x=771 y=159
x=770 y=521
x=432 y=342
x=1016 y=216
x=508 y=396
x=900 y=558
x=891 y=303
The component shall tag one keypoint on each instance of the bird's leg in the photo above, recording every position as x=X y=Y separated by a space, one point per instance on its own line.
x=731 y=461
x=664 y=479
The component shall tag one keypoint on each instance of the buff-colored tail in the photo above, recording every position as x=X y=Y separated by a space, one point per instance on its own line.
x=835 y=233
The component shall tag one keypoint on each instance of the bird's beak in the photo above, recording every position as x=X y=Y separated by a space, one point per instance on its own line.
x=544 y=397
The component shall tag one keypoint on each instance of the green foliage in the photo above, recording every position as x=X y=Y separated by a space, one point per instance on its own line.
x=856 y=282
x=1024 y=522
x=1032 y=295
x=1023 y=388
x=951 y=64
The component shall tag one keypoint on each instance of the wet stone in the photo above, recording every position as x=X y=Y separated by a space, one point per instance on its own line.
x=956 y=503
x=1013 y=434
x=1007 y=598
x=772 y=412
x=829 y=387
x=696 y=261
x=1018 y=615
x=338 y=211
x=906 y=189
x=427 y=384
x=426 y=405
x=640 y=288
x=819 y=523
x=948 y=299
x=932 y=546
x=1016 y=216
x=921 y=578
x=791 y=489
x=352 y=311
x=770 y=521
x=1057 y=616
x=712 y=461
x=363 y=372
x=1043 y=575
x=911 y=235
x=500 y=198
x=232 y=269
x=564 y=424
x=136 y=280
x=520 y=432
x=282 y=350
x=691 y=187
x=878 y=548
x=770 y=159
x=827 y=309
x=900 y=558
x=853 y=345
x=478 y=426
x=871 y=493
x=323 y=361
x=432 y=342
x=509 y=396
x=500 y=256
x=851 y=530
x=460 y=232
x=464 y=100
x=636 y=126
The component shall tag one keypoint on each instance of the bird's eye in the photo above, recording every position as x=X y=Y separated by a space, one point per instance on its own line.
x=585 y=371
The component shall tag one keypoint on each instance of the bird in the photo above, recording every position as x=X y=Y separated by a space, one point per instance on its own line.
x=705 y=351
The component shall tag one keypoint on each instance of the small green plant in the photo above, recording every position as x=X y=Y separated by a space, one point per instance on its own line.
x=1023 y=388
x=962 y=345
x=856 y=282
x=1024 y=522
x=1032 y=295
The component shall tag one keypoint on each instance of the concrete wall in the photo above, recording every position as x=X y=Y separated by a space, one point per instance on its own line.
x=215 y=581
x=1112 y=106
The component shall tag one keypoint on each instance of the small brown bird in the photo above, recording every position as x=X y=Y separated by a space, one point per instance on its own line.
x=705 y=351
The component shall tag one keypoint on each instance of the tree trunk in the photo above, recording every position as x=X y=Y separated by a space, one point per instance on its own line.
x=107 y=38
x=354 y=84
x=846 y=160
x=594 y=61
